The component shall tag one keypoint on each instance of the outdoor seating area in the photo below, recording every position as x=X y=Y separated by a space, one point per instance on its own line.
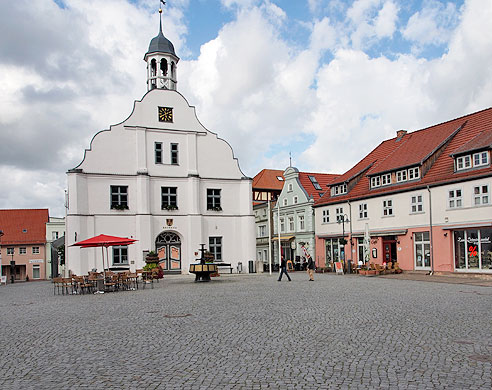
x=102 y=282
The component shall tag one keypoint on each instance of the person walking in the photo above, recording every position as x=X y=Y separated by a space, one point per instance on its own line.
x=283 y=269
x=310 y=268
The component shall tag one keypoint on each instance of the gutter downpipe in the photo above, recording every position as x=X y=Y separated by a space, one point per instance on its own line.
x=431 y=235
x=278 y=231
x=270 y=247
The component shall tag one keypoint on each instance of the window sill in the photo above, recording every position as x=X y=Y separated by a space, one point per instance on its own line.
x=416 y=212
x=388 y=216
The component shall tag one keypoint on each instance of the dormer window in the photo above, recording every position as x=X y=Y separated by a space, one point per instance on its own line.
x=401 y=176
x=413 y=173
x=468 y=161
x=386 y=179
x=375 y=181
x=339 y=189
x=480 y=159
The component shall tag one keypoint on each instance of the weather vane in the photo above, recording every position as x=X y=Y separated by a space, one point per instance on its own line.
x=163 y=3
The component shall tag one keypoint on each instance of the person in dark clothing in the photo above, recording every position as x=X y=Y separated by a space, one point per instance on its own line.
x=310 y=268
x=283 y=269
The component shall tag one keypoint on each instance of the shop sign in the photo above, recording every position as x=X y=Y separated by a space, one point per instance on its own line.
x=36 y=261
x=483 y=240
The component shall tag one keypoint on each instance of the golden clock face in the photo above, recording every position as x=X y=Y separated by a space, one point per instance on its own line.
x=165 y=114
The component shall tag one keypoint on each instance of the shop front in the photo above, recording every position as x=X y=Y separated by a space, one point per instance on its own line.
x=473 y=250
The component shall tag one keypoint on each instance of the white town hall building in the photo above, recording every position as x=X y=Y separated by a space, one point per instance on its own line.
x=161 y=178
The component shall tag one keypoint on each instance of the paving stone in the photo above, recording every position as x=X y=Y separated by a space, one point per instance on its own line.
x=249 y=332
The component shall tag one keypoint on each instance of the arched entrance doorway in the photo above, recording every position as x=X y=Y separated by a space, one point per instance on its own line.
x=168 y=248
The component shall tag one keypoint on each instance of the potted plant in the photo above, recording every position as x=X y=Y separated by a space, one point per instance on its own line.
x=151 y=258
x=119 y=207
x=170 y=207
x=155 y=268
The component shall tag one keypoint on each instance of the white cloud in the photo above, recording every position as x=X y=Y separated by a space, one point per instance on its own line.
x=431 y=25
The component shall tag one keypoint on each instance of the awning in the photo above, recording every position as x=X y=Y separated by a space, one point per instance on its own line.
x=283 y=238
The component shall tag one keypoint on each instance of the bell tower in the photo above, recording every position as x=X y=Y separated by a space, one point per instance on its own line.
x=161 y=62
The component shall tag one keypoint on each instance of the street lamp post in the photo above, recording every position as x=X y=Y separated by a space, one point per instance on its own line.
x=1 y=266
x=342 y=219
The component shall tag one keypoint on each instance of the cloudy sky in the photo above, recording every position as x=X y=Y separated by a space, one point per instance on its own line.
x=327 y=80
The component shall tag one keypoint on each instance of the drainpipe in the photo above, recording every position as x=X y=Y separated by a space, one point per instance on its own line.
x=431 y=235
x=350 y=224
x=270 y=226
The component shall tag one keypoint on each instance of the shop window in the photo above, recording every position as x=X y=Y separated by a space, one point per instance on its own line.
x=36 y=272
x=421 y=242
x=473 y=249
x=481 y=195
x=455 y=199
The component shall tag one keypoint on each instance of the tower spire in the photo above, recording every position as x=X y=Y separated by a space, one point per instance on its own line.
x=160 y=16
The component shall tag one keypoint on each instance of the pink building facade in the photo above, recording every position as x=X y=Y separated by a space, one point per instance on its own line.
x=421 y=199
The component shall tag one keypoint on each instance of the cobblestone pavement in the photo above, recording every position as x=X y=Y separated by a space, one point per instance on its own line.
x=249 y=332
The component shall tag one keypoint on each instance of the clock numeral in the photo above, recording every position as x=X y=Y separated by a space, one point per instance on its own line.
x=165 y=114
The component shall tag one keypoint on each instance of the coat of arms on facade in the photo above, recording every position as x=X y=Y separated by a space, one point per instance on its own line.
x=169 y=222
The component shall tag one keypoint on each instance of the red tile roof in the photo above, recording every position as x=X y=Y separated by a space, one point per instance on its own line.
x=414 y=148
x=23 y=226
x=266 y=179
x=481 y=141
x=323 y=179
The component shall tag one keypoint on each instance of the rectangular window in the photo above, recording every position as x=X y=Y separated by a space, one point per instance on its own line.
x=363 y=210
x=401 y=175
x=54 y=235
x=213 y=199
x=387 y=207
x=481 y=195
x=35 y=250
x=215 y=247
x=169 y=198
x=174 y=154
x=375 y=181
x=10 y=251
x=339 y=214
x=120 y=255
x=326 y=216
x=455 y=199
x=417 y=204
x=481 y=158
x=463 y=162
x=22 y=250
x=36 y=272
x=291 y=224
x=282 y=224
x=119 y=197
x=158 y=152
x=386 y=179
x=302 y=226
x=413 y=173
x=262 y=231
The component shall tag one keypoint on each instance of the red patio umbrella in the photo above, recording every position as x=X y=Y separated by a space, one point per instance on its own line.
x=104 y=241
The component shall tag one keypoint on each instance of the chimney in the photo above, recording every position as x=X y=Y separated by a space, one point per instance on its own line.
x=400 y=134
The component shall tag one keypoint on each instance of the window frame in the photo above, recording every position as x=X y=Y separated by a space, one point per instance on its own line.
x=481 y=195
x=120 y=252
x=158 y=153
x=363 y=211
x=325 y=216
x=455 y=198
x=215 y=247
x=417 y=204
x=292 y=226
x=35 y=250
x=301 y=222
x=10 y=251
x=37 y=268
x=388 y=207
x=214 y=199
x=339 y=214
x=22 y=250
x=174 y=153
x=169 y=200
x=122 y=197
